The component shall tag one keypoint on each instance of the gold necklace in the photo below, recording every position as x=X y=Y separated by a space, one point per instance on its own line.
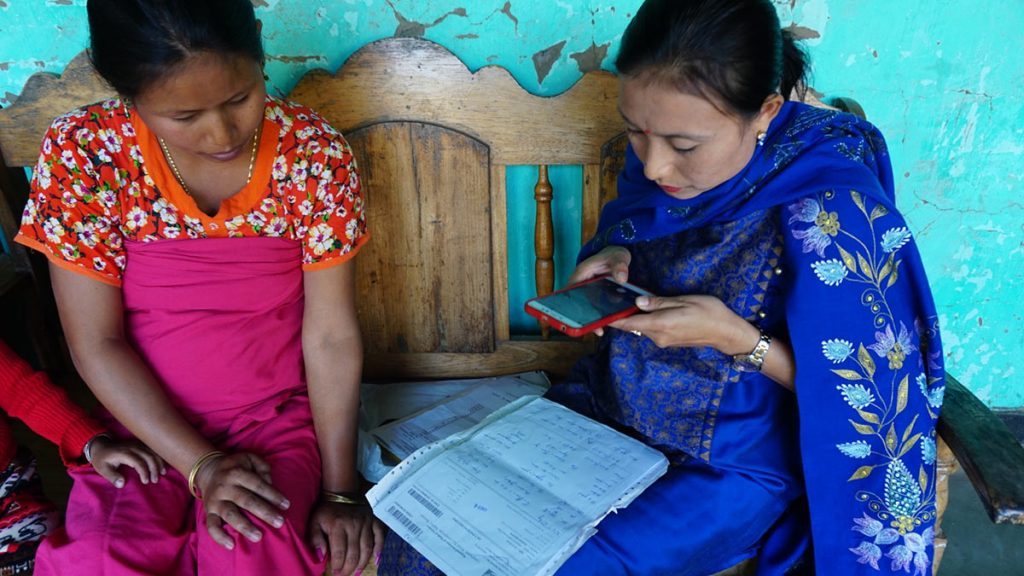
x=177 y=175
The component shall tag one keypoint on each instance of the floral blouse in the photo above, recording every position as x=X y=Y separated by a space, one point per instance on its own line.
x=101 y=180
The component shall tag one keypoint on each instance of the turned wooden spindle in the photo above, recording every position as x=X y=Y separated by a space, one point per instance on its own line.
x=544 y=240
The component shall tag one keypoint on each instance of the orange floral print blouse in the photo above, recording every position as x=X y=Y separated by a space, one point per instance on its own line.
x=101 y=179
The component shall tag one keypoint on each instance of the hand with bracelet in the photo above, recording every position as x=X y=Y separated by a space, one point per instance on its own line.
x=107 y=455
x=231 y=485
x=335 y=512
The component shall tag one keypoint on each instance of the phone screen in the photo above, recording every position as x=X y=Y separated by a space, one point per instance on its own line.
x=590 y=302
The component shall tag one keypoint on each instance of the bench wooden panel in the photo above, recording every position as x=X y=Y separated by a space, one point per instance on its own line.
x=429 y=211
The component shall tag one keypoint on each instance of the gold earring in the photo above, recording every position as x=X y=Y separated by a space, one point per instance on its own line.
x=761 y=136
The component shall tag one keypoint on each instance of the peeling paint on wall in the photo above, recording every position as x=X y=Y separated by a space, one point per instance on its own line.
x=590 y=59
x=411 y=28
x=294 y=59
x=943 y=86
x=545 y=59
x=507 y=11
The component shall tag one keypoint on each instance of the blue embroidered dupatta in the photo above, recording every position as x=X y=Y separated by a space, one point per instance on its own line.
x=861 y=322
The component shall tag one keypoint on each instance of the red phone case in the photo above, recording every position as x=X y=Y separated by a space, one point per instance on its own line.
x=571 y=330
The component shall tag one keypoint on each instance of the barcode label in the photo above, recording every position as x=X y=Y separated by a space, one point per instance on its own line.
x=426 y=503
x=405 y=520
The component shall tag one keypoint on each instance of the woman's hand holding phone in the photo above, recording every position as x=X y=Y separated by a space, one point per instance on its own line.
x=691 y=320
x=612 y=260
x=679 y=321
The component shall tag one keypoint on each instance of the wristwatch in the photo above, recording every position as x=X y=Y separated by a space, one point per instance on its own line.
x=752 y=362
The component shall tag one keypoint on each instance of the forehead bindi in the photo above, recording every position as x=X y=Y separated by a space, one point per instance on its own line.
x=664 y=111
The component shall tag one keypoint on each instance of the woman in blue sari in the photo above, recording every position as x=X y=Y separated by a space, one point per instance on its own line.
x=790 y=366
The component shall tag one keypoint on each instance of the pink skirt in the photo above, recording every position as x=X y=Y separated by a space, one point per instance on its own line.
x=219 y=321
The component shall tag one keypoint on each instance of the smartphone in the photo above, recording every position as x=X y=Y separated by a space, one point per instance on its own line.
x=587 y=306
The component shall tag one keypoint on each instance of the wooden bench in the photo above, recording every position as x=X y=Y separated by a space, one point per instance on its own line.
x=433 y=142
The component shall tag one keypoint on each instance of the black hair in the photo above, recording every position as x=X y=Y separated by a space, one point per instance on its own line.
x=133 y=43
x=731 y=51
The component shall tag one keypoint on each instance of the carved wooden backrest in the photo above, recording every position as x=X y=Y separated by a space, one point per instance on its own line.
x=433 y=141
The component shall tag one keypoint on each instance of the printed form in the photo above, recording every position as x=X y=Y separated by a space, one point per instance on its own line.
x=516 y=494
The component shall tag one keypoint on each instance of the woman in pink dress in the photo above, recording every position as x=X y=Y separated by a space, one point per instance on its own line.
x=201 y=237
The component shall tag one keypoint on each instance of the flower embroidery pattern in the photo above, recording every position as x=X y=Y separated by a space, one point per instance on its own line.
x=837 y=350
x=859 y=449
x=832 y=272
x=933 y=395
x=928 y=450
x=894 y=239
x=868 y=553
x=894 y=348
x=825 y=225
x=894 y=525
x=856 y=395
x=911 y=550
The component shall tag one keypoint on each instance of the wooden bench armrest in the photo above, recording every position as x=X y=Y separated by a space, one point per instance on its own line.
x=986 y=449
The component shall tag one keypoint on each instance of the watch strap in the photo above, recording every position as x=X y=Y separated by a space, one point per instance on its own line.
x=753 y=361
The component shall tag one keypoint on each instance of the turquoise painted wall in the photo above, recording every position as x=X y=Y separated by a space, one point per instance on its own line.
x=940 y=79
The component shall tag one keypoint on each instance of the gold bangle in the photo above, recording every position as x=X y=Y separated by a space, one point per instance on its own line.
x=347 y=498
x=209 y=456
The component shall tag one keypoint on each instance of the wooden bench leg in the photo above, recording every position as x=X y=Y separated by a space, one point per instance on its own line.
x=945 y=466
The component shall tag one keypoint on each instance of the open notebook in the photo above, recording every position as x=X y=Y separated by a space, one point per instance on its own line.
x=517 y=493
